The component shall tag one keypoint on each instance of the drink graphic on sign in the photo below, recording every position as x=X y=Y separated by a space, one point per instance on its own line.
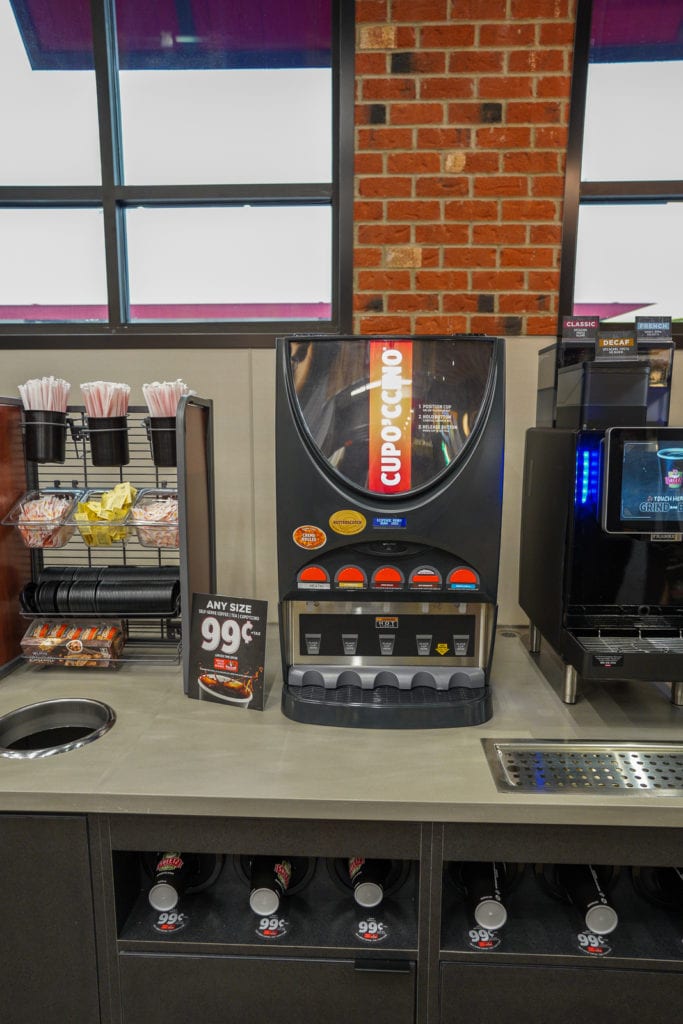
x=671 y=467
x=234 y=689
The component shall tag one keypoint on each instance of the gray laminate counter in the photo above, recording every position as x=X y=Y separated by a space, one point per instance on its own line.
x=170 y=755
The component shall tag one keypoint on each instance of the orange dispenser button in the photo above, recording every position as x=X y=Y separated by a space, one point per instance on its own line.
x=313 y=577
x=350 y=577
x=387 y=577
x=463 y=579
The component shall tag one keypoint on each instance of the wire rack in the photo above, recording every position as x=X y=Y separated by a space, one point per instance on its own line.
x=151 y=638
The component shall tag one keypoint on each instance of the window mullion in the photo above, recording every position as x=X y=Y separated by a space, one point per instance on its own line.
x=106 y=76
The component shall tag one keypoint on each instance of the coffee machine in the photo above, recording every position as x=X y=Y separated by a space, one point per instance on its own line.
x=389 y=459
x=601 y=559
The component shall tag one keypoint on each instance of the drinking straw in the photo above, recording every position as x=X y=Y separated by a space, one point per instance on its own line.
x=48 y=394
x=162 y=397
x=104 y=398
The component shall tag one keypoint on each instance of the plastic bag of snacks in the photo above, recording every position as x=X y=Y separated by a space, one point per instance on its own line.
x=73 y=644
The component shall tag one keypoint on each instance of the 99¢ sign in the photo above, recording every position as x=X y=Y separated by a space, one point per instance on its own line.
x=227 y=650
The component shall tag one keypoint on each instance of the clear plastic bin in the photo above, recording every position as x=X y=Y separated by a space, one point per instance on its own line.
x=41 y=517
x=155 y=517
x=99 y=532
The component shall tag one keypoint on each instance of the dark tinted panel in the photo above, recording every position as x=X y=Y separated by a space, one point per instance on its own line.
x=390 y=415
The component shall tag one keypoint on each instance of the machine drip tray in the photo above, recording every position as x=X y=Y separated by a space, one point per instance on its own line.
x=636 y=644
x=386 y=707
x=557 y=766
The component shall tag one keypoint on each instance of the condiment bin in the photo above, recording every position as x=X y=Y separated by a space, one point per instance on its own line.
x=155 y=518
x=42 y=517
x=103 y=530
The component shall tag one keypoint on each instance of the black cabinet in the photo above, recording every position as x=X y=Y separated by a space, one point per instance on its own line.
x=47 y=939
x=512 y=994
x=167 y=989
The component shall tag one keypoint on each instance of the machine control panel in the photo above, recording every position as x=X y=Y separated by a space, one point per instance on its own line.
x=388 y=577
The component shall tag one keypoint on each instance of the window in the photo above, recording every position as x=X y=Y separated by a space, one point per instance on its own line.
x=624 y=196
x=174 y=169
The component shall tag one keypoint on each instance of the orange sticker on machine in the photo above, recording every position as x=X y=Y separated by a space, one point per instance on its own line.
x=347 y=521
x=309 y=537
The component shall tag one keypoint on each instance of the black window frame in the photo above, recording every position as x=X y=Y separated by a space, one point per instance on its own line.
x=578 y=192
x=113 y=197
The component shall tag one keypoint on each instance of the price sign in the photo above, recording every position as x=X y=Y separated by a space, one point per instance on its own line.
x=483 y=939
x=170 y=921
x=593 y=945
x=227 y=650
x=272 y=927
x=371 y=930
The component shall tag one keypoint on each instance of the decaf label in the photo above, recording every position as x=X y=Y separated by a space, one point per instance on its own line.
x=616 y=345
x=347 y=522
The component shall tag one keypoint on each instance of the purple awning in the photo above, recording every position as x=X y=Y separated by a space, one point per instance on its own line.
x=181 y=34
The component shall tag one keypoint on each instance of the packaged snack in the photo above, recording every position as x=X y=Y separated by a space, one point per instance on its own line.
x=41 y=517
x=73 y=644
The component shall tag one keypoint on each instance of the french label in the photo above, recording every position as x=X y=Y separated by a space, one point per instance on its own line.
x=658 y=327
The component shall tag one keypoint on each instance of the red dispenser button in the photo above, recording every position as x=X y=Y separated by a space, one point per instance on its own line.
x=463 y=579
x=313 y=577
x=387 y=577
x=350 y=577
x=425 y=578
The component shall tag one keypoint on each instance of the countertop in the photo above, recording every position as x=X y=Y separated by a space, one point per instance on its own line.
x=168 y=754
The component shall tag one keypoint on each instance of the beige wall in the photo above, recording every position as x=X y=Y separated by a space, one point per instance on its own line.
x=242 y=386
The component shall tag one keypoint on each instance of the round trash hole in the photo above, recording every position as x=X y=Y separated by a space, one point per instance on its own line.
x=53 y=727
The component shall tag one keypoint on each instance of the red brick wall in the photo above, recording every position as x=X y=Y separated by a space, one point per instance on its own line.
x=460 y=140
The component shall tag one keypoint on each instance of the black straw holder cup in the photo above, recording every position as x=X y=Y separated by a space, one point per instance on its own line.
x=108 y=440
x=162 y=438
x=45 y=435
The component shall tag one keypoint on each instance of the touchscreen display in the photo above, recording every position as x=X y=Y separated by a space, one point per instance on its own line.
x=651 y=482
x=643 y=480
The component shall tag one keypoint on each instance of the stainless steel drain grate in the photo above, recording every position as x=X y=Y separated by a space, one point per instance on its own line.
x=556 y=766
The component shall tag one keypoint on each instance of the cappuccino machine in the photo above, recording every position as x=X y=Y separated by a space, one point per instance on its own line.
x=601 y=559
x=389 y=486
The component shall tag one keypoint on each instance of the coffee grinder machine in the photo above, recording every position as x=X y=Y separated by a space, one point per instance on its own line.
x=601 y=559
x=389 y=456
